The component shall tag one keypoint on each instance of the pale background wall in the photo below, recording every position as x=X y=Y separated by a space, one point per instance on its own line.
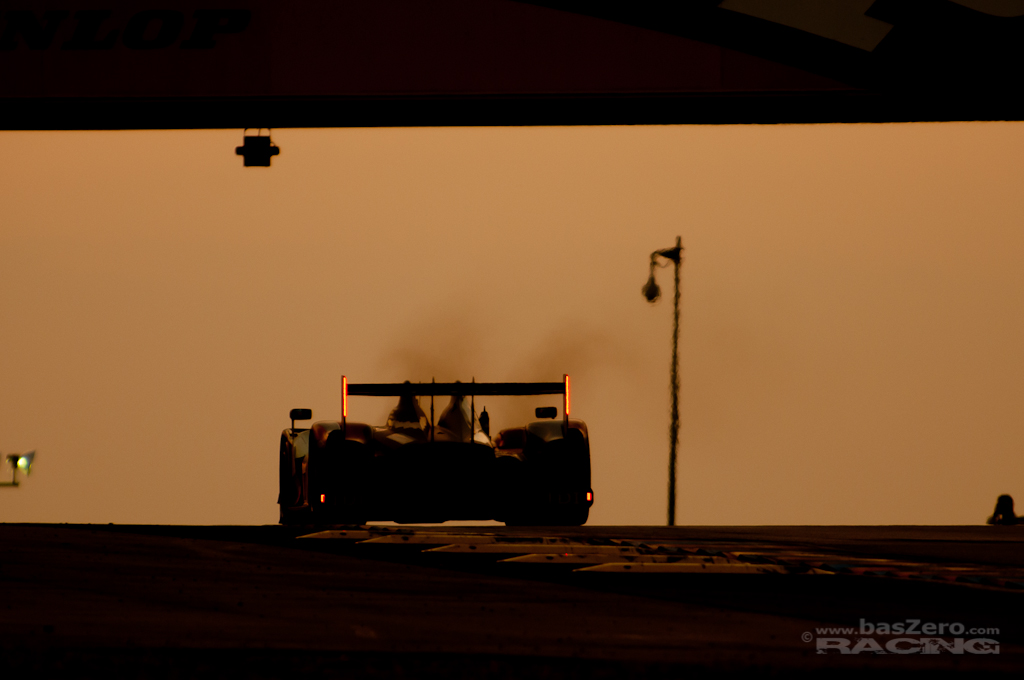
x=853 y=309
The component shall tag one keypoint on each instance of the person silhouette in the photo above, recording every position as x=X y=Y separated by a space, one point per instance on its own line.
x=1004 y=511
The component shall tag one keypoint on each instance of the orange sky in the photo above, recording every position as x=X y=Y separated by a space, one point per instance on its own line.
x=853 y=309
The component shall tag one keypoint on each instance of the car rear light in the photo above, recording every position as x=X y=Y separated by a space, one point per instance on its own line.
x=590 y=496
x=566 y=378
x=344 y=397
x=323 y=497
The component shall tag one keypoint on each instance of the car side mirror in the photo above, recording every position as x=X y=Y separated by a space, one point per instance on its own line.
x=546 y=412
x=300 y=414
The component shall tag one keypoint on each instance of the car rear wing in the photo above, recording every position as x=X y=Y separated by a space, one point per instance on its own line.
x=436 y=389
x=470 y=389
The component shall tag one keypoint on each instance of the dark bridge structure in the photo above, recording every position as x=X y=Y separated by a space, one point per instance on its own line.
x=129 y=64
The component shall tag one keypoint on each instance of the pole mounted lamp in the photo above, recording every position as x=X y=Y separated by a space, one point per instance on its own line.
x=19 y=461
x=257 y=150
x=652 y=292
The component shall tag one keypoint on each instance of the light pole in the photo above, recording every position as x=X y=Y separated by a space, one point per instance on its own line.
x=652 y=292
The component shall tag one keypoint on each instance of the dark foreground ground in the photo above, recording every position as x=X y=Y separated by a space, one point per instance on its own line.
x=215 y=602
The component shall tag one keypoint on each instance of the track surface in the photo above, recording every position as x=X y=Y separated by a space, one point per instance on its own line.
x=179 y=601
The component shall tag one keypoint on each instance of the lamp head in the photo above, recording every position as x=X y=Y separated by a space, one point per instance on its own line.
x=22 y=461
x=651 y=290
x=256 y=151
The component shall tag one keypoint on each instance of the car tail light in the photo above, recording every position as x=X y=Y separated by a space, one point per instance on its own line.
x=566 y=378
x=344 y=397
x=590 y=496
x=323 y=497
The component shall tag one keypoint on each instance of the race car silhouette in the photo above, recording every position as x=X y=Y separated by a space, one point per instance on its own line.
x=415 y=470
